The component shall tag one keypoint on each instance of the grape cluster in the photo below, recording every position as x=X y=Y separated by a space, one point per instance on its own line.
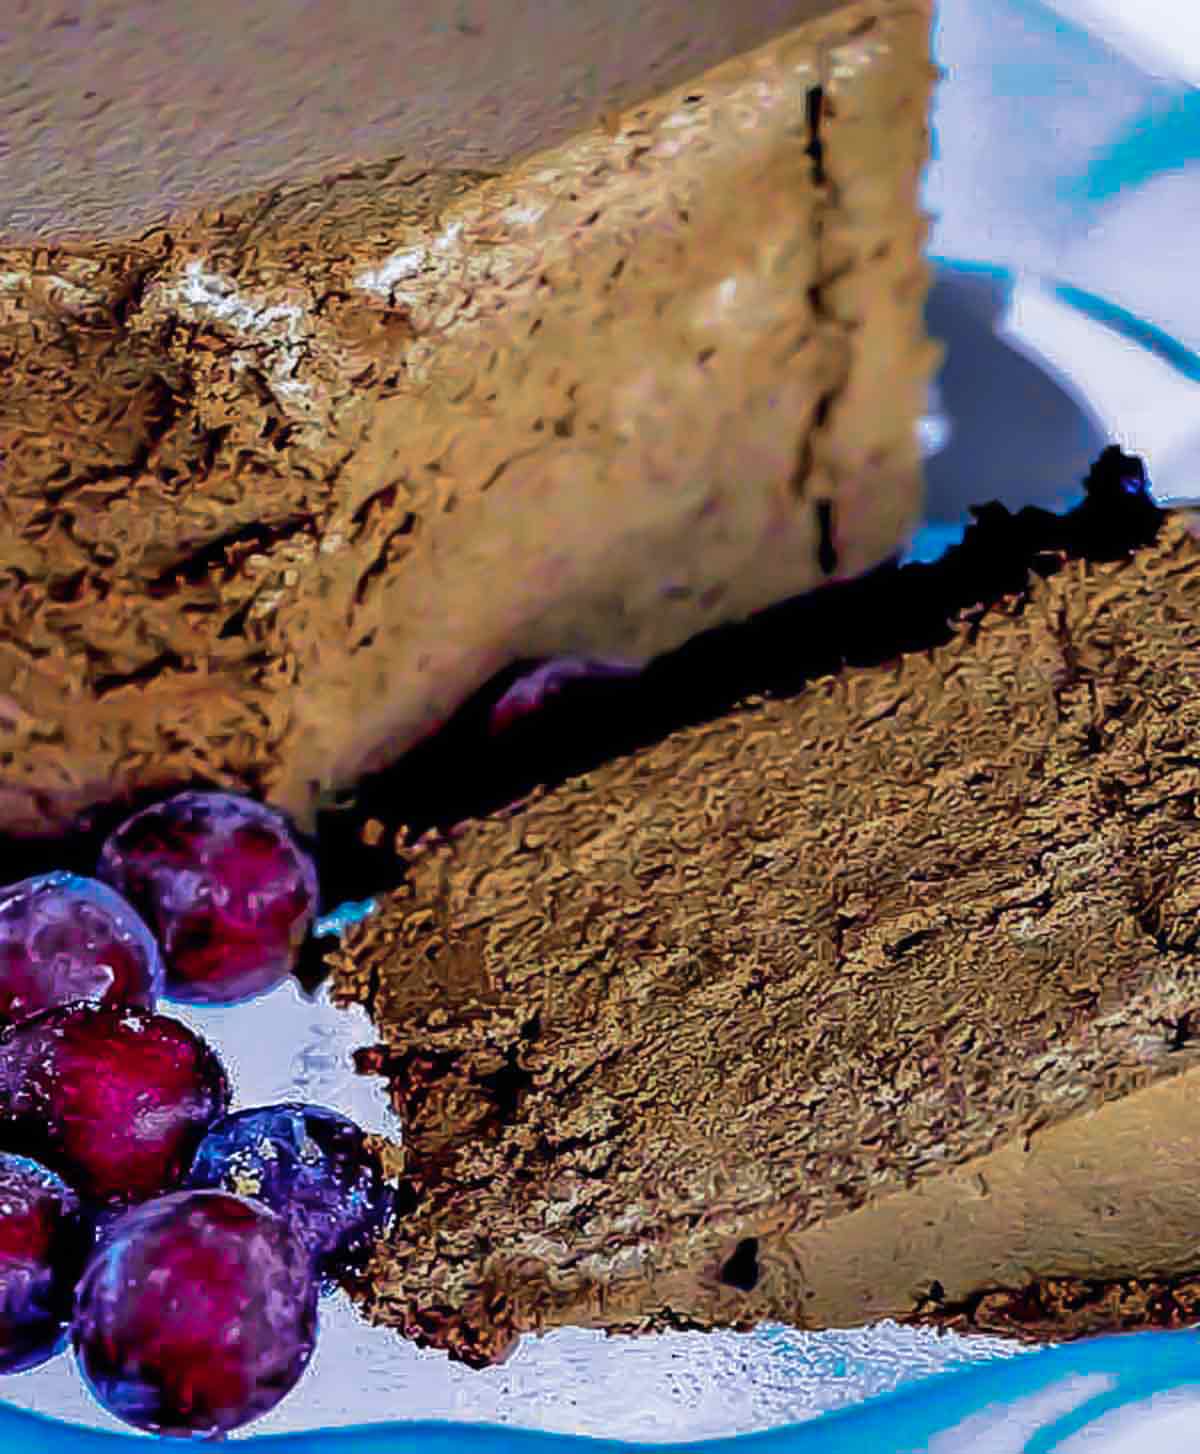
x=179 y=1247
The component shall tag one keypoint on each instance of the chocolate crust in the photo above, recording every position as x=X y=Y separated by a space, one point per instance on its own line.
x=874 y=1001
x=285 y=482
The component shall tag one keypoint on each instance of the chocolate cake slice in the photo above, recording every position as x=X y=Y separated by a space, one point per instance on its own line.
x=284 y=482
x=875 y=999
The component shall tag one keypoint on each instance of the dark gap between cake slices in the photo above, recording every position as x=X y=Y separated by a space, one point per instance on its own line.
x=463 y=773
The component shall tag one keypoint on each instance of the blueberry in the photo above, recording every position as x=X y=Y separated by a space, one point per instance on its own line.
x=115 y=1100
x=226 y=888
x=43 y=1240
x=309 y=1164
x=66 y=938
x=196 y=1314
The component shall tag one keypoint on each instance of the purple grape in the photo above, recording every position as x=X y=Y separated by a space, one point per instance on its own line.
x=530 y=693
x=65 y=938
x=310 y=1165
x=43 y=1241
x=225 y=887
x=196 y=1314
x=115 y=1100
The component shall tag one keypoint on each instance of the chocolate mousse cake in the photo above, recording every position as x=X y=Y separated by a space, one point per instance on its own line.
x=875 y=998
x=285 y=481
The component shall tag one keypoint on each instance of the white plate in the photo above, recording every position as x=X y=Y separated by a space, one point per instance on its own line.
x=1063 y=183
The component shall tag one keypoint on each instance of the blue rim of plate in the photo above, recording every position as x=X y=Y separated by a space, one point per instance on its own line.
x=1054 y=1392
x=1162 y=345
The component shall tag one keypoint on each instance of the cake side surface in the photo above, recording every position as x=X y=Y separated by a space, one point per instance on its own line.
x=286 y=481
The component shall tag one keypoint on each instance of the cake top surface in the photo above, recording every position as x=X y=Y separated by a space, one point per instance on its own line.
x=128 y=113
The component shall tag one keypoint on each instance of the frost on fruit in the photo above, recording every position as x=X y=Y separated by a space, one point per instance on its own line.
x=65 y=938
x=229 y=892
x=116 y=1101
x=43 y=1240
x=172 y=1353
x=310 y=1164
